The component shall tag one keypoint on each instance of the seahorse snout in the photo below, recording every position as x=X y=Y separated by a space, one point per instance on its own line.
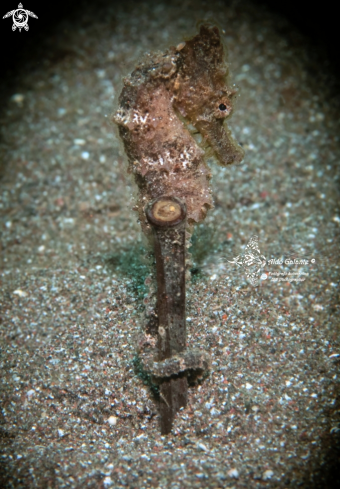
x=221 y=141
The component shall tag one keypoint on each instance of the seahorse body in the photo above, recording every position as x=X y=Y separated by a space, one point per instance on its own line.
x=164 y=95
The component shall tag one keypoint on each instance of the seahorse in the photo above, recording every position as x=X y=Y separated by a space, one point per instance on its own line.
x=165 y=100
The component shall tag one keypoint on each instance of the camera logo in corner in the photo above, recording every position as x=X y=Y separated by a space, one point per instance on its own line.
x=20 y=18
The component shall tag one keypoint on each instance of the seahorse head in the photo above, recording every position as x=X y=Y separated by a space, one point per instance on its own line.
x=201 y=94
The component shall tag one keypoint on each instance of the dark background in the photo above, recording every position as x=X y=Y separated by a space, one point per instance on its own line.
x=317 y=21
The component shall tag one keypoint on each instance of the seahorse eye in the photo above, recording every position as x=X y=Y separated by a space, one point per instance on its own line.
x=222 y=107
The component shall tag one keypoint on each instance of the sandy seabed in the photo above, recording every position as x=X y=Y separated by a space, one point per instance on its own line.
x=75 y=412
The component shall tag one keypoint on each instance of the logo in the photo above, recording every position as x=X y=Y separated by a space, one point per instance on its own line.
x=253 y=263
x=20 y=18
x=251 y=260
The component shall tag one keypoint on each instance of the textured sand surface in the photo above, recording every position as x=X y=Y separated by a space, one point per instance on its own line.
x=75 y=413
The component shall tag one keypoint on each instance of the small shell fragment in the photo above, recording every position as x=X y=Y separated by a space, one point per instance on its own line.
x=20 y=293
x=112 y=420
x=233 y=473
x=180 y=46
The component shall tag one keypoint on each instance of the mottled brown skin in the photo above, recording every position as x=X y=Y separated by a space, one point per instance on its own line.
x=165 y=94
